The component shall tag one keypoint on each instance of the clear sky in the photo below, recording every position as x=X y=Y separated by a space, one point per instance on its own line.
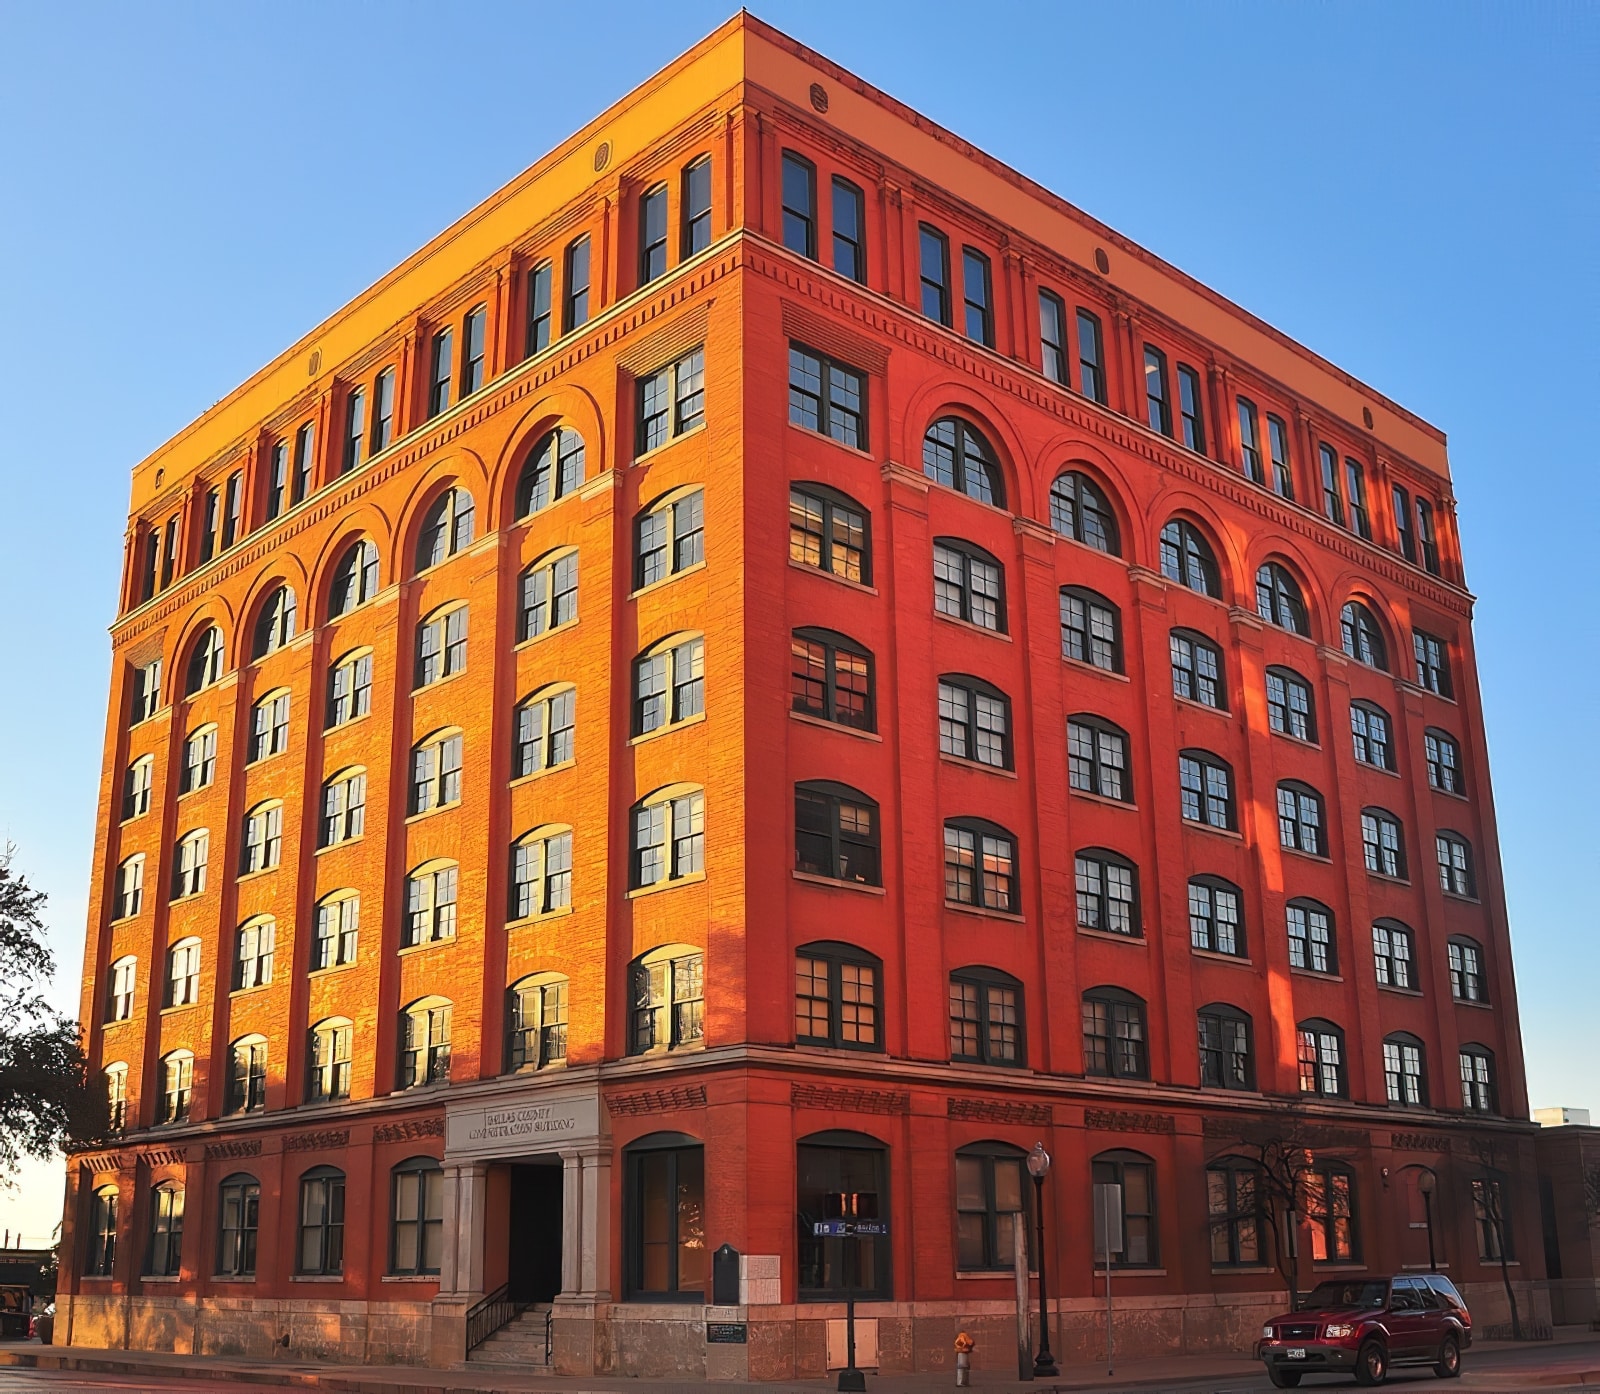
x=1411 y=190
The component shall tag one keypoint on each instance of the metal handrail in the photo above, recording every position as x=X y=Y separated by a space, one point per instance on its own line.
x=549 y=1330
x=487 y=1316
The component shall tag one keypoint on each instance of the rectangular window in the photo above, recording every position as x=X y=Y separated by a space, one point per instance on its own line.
x=473 y=351
x=213 y=520
x=169 y=550
x=1091 y=358
x=1355 y=480
x=575 y=286
x=827 y=396
x=799 y=205
x=652 y=234
x=355 y=429
x=233 y=511
x=146 y=692
x=1332 y=499
x=152 y=560
x=1158 y=402
x=382 y=410
x=538 y=332
x=671 y=401
x=1194 y=430
x=849 y=230
x=304 y=453
x=1426 y=540
x=976 y=293
x=1433 y=663
x=696 y=207
x=935 y=255
x=277 y=478
x=1250 y=442
x=1053 y=336
x=1278 y=444
x=1402 y=524
x=439 y=379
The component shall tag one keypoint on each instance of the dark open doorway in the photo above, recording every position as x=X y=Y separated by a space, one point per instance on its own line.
x=534 y=1270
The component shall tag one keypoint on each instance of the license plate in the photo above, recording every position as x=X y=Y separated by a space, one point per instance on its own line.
x=1296 y=1353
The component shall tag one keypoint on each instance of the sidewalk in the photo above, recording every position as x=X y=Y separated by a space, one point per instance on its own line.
x=1570 y=1361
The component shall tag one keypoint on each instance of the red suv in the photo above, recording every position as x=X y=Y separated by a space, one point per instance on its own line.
x=1366 y=1325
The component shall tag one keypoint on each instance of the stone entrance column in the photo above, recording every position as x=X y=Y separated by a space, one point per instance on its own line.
x=585 y=1257
x=466 y=1190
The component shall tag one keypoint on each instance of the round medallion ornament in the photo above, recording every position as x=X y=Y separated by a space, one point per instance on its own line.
x=1102 y=263
x=602 y=155
x=819 y=97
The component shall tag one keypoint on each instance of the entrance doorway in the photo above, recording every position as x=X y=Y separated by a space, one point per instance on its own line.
x=534 y=1268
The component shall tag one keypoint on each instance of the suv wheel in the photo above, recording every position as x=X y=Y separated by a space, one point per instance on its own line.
x=1372 y=1364
x=1283 y=1379
x=1449 y=1366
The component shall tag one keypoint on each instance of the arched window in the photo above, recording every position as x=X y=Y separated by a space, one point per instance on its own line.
x=441 y=649
x=1330 y=1191
x=205 y=661
x=1278 y=599
x=536 y=1022
x=1226 y=1059
x=344 y=807
x=1233 y=1204
x=1444 y=762
x=1097 y=758
x=119 y=995
x=830 y=678
x=554 y=469
x=1382 y=843
x=830 y=532
x=350 y=687
x=355 y=578
x=1322 y=1059
x=980 y=865
x=189 y=863
x=1216 y=921
x=1477 y=1079
x=416 y=1226
x=425 y=1042
x=838 y=996
x=183 y=973
x=1300 y=819
x=1197 y=670
x=664 y=1207
x=669 y=835
x=1433 y=662
x=670 y=401
x=247 y=1075
x=275 y=623
x=1080 y=510
x=1454 y=855
x=1135 y=1173
x=1091 y=629
x=269 y=725
x=116 y=1077
x=541 y=873
x=1369 y=731
x=238 y=1217
x=968 y=584
x=1467 y=983
x=955 y=454
x=252 y=953
x=261 y=848
x=177 y=1086
x=1361 y=637
x=1108 y=892
x=666 y=1000
x=547 y=594
x=1311 y=944
x=544 y=732
x=446 y=528
x=165 y=1257
x=130 y=886
x=836 y=833
x=974 y=721
x=1404 y=1080
x=1114 y=1038
x=1291 y=709
x=1205 y=789
x=435 y=772
x=320 y=1247
x=328 y=1060
x=337 y=929
x=986 y=1026
x=992 y=1199
x=669 y=683
x=136 y=786
x=1394 y=954
x=430 y=904
x=669 y=537
x=1187 y=558
x=199 y=762
x=102 y=1232
x=842 y=1176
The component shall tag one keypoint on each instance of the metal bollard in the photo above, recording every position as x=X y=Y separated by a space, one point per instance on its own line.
x=964 y=1345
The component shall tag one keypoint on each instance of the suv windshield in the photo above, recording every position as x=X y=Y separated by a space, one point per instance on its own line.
x=1356 y=1294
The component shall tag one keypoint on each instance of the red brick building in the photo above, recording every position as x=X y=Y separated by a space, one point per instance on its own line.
x=778 y=658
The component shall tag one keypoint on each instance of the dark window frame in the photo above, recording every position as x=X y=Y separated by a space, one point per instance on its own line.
x=1115 y=1164
x=1099 y=900
x=1126 y=1049
x=1212 y=933
x=1192 y=558
x=1291 y=684
x=827 y=503
x=932 y=242
x=969 y=554
x=846 y=848
x=1006 y=899
x=684 y=1161
x=1223 y=1055
x=973 y=734
x=797 y=224
x=992 y=1030
x=834 y=956
x=832 y=644
x=421 y=1168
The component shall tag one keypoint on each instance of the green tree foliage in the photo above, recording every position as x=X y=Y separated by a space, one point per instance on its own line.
x=46 y=1098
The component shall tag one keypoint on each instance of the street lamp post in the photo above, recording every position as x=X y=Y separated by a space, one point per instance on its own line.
x=1044 y=1364
x=1425 y=1184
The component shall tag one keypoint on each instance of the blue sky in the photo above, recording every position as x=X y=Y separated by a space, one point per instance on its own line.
x=1411 y=190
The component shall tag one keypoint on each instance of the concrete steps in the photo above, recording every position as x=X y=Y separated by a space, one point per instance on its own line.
x=517 y=1345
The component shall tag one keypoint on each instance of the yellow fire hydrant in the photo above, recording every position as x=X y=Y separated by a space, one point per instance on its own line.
x=964 y=1345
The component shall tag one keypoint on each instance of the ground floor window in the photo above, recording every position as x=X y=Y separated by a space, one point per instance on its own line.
x=1136 y=1174
x=664 y=1221
x=240 y=1211
x=991 y=1201
x=321 y=1247
x=417 y=1235
x=842 y=1175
